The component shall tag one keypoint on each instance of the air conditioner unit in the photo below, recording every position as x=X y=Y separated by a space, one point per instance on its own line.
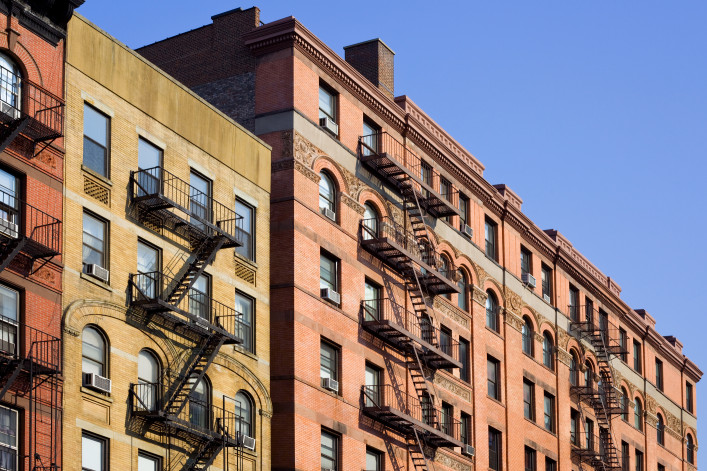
x=7 y=347
x=329 y=213
x=330 y=384
x=9 y=110
x=330 y=295
x=528 y=279
x=468 y=450
x=547 y=298
x=467 y=231
x=9 y=228
x=247 y=442
x=329 y=125
x=97 y=271
x=97 y=382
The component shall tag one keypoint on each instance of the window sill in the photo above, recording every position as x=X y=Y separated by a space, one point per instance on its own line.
x=95 y=174
x=97 y=395
x=497 y=401
x=97 y=282
x=495 y=332
x=243 y=351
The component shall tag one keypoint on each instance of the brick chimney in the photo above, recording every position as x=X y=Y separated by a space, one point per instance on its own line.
x=374 y=59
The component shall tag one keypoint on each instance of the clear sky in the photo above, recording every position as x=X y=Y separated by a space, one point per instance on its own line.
x=595 y=113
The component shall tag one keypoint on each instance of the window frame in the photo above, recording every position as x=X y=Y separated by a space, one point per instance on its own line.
x=638 y=414
x=465 y=428
x=625 y=456
x=247 y=412
x=463 y=285
x=370 y=137
x=493 y=385
x=464 y=205
x=689 y=398
x=623 y=343
x=105 y=450
x=546 y=282
x=660 y=429
x=637 y=364
x=378 y=457
x=548 y=351
x=528 y=337
x=324 y=283
x=249 y=340
x=492 y=312
x=374 y=389
x=495 y=449
x=329 y=201
x=247 y=234
x=464 y=352
x=530 y=459
x=549 y=416
x=106 y=147
x=491 y=238
x=529 y=400
x=336 y=442
x=104 y=365
x=574 y=303
x=574 y=427
x=526 y=261
x=550 y=464
x=333 y=114
x=149 y=456
x=105 y=253
x=659 y=374
x=333 y=371
x=640 y=457
x=14 y=415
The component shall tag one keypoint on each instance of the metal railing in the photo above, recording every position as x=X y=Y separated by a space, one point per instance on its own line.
x=155 y=287
x=597 y=324
x=19 y=219
x=19 y=340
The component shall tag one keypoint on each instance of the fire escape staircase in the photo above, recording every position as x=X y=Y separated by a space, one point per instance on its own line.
x=163 y=201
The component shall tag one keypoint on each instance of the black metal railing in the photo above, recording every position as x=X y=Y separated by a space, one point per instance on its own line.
x=154 y=186
x=152 y=290
x=19 y=220
x=605 y=331
x=19 y=341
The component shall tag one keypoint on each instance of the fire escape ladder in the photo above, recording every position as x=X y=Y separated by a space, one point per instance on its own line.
x=12 y=130
x=203 y=256
x=416 y=448
x=9 y=250
x=208 y=452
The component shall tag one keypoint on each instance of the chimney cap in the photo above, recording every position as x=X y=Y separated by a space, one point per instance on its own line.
x=375 y=40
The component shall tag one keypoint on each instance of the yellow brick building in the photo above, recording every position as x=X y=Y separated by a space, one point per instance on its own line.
x=166 y=300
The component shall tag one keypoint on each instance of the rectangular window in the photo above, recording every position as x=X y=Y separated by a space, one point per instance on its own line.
x=96 y=140
x=589 y=311
x=490 y=235
x=330 y=450
x=200 y=297
x=328 y=272
x=246 y=230
x=589 y=433
x=637 y=356
x=8 y=439
x=495 y=461
x=465 y=431
x=493 y=372
x=10 y=311
x=639 y=460
x=149 y=164
x=372 y=301
x=369 y=138
x=95 y=231
x=661 y=467
x=526 y=260
x=550 y=464
x=464 y=371
x=447 y=416
x=546 y=278
x=149 y=268
x=689 y=399
x=148 y=462
x=245 y=312
x=574 y=304
x=327 y=103
x=623 y=343
x=659 y=374
x=529 y=399
x=445 y=188
x=445 y=342
x=463 y=211
x=94 y=453
x=530 y=459
x=374 y=459
x=625 y=456
x=549 y=412
x=574 y=427
x=373 y=385
x=329 y=361
x=199 y=199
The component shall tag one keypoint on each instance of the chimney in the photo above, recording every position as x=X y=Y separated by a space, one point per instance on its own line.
x=374 y=59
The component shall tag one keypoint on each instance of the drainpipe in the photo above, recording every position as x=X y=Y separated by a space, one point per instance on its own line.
x=553 y=291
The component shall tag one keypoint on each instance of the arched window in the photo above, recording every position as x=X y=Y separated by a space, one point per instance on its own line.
x=491 y=311
x=660 y=430
x=199 y=404
x=624 y=404
x=370 y=222
x=690 y=445
x=327 y=195
x=589 y=375
x=244 y=413
x=638 y=415
x=10 y=85
x=527 y=331
x=574 y=369
x=148 y=376
x=548 y=350
x=93 y=352
x=444 y=265
x=462 y=285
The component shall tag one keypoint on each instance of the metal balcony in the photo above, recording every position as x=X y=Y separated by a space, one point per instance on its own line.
x=196 y=311
x=26 y=229
x=403 y=412
x=403 y=330
x=601 y=333
x=28 y=348
x=598 y=399
x=164 y=200
x=396 y=164
x=401 y=250
x=596 y=450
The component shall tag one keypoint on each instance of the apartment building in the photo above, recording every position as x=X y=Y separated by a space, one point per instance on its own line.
x=166 y=307
x=441 y=328
x=31 y=176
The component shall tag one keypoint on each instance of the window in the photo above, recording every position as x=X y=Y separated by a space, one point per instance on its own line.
x=660 y=430
x=625 y=456
x=490 y=235
x=659 y=374
x=604 y=325
x=464 y=371
x=9 y=202
x=690 y=449
x=447 y=418
x=149 y=164
x=574 y=304
x=661 y=467
x=589 y=311
x=637 y=356
x=548 y=351
x=369 y=138
x=526 y=260
x=689 y=398
x=574 y=369
x=426 y=175
x=327 y=103
x=148 y=462
x=244 y=414
x=492 y=311
x=639 y=460
x=624 y=404
x=528 y=399
x=328 y=361
x=327 y=196
x=445 y=341
x=8 y=439
x=372 y=385
x=444 y=270
x=328 y=272
x=493 y=372
x=462 y=285
x=372 y=301
x=463 y=211
x=199 y=297
x=549 y=412
x=623 y=343
x=199 y=199
x=589 y=375
x=574 y=427
x=148 y=377
x=465 y=430
x=93 y=351
x=589 y=433
x=9 y=310
x=200 y=404
x=245 y=312
x=638 y=415
x=149 y=279
x=10 y=84
x=495 y=460
x=528 y=336
x=94 y=241
x=96 y=137
x=246 y=230
x=546 y=276
x=530 y=459
x=330 y=450
x=94 y=452
x=550 y=464
x=429 y=415
x=369 y=230
x=374 y=459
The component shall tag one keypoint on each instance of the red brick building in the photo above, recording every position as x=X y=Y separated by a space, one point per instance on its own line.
x=31 y=195
x=441 y=329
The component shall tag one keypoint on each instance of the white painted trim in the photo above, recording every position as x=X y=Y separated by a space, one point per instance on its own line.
x=199 y=168
x=154 y=140
x=97 y=104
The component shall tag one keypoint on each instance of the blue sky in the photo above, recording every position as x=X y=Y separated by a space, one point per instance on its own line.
x=595 y=113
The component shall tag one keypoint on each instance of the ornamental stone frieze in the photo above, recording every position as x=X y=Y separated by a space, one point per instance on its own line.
x=453 y=387
x=451 y=463
x=303 y=150
x=394 y=212
x=514 y=321
x=307 y=172
x=352 y=203
x=479 y=295
x=651 y=419
x=563 y=339
x=452 y=312
x=354 y=185
x=564 y=357
x=539 y=337
x=513 y=300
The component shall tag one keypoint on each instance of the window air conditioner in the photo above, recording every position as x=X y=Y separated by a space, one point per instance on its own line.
x=467 y=231
x=330 y=384
x=97 y=382
x=469 y=450
x=330 y=295
x=9 y=110
x=329 y=213
x=9 y=228
x=329 y=125
x=7 y=347
x=547 y=298
x=97 y=271
x=248 y=442
x=529 y=280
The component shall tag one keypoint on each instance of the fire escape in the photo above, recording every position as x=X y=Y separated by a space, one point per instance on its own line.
x=30 y=359
x=599 y=451
x=172 y=407
x=413 y=332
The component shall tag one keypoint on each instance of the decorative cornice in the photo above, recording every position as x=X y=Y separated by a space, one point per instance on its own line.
x=564 y=356
x=514 y=321
x=453 y=387
x=479 y=296
x=352 y=203
x=457 y=315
